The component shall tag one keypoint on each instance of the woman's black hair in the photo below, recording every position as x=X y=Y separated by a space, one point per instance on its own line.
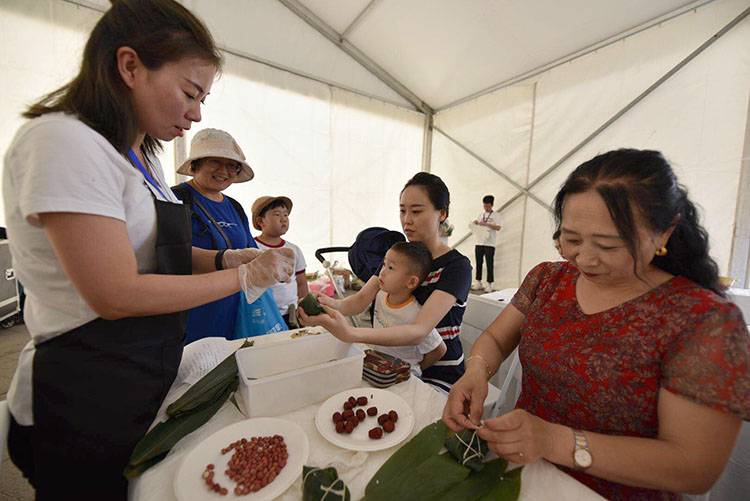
x=488 y=199
x=641 y=182
x=436 y=190
x=161 y=32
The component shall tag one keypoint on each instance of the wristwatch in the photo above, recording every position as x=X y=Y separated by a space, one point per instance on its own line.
x=582 y=457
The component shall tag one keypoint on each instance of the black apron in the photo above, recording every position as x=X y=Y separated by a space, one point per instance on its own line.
x=98 y=388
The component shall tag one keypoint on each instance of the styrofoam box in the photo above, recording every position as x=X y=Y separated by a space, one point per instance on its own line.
x=292 y=390
x=288 y=354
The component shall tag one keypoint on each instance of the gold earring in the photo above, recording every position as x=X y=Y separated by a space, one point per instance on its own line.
x=661 y=251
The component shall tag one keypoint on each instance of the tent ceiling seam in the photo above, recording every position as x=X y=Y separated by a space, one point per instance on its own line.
x=427 y=143
x=276 y=66
x=358 y=19
x=301 y=74
x=577 y=54
x=327 y=31
x=528 y=174
x=494 y=169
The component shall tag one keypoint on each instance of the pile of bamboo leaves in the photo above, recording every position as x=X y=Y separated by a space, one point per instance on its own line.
x=418 y=471
x=188 y=413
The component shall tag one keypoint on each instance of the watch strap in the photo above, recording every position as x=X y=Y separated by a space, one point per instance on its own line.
x=219 y=260
x=580 y=442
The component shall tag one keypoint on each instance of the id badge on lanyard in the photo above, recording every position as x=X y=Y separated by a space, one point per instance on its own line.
x=146 y=174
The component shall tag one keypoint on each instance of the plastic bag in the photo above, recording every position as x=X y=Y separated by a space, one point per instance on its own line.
x=322 y=285
x=258 y=318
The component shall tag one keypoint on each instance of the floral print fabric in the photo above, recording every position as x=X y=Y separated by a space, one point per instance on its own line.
x=602 y=372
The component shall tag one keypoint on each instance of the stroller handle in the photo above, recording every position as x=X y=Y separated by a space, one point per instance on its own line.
x=319 y=253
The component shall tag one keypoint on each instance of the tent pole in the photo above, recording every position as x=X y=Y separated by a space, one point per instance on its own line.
x=739 y=258
x=307 y=76
x=270 y=64
x=578 y=54
x=528 y=175
x=643 y=95
x=427 y=143
x=494 y=169
x=324 y=29
x=358 y=20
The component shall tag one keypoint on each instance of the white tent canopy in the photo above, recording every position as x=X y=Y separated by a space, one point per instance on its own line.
x=333 y=102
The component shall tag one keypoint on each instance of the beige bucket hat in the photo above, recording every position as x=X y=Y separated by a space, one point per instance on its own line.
x=216 y=143
x=263 y=202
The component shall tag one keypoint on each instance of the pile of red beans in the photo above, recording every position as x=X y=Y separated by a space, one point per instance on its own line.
x=254 y=464
x=346 y=421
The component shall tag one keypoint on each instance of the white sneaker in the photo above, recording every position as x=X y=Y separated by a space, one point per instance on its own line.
x=476 y=285
x=489 y=288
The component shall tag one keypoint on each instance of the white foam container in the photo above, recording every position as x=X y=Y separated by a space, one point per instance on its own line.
x=278 y=394
x=286 y=354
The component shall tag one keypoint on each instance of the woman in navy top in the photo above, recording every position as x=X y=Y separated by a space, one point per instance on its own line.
x=424 y=205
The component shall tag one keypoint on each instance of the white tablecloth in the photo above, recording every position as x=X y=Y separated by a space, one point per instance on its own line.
x=539 y=481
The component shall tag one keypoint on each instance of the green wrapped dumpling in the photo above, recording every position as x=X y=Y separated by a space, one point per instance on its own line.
x=468 y=449
x=323 y=483
x=311 y=305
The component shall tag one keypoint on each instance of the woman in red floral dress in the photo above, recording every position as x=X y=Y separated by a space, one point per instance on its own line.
x=636 y=368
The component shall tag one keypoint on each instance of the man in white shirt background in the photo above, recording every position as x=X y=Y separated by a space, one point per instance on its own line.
x=485 y=228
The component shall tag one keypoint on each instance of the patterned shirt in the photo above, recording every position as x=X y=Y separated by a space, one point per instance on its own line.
x=450 y=273
x=603 y=372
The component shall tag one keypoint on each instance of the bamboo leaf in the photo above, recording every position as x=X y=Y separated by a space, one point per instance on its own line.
x=401 y=464
x=428 y=481
x=166 y=434
x=478 y=484
x=507 y=488
x=209 y=387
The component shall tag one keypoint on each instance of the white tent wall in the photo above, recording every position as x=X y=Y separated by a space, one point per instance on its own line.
x=340 y=157
x=377 y=147
x=496 y=127
x=697 y=118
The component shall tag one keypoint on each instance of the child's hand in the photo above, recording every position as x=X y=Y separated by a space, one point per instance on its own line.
x=332 y=321
x=328 y=301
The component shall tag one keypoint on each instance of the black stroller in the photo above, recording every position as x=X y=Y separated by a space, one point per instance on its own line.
x=365 y=255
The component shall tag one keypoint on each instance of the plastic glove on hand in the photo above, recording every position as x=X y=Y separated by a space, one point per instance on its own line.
x=232 y=258
x=269 y=268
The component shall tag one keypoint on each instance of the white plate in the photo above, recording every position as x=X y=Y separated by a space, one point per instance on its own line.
x=359 y=440
x=189 y=484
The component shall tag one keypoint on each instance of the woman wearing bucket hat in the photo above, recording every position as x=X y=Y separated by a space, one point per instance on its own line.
x=104 y=250
x=218 y=222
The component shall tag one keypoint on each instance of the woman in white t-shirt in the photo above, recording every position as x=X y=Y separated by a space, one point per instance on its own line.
x=103 y=250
